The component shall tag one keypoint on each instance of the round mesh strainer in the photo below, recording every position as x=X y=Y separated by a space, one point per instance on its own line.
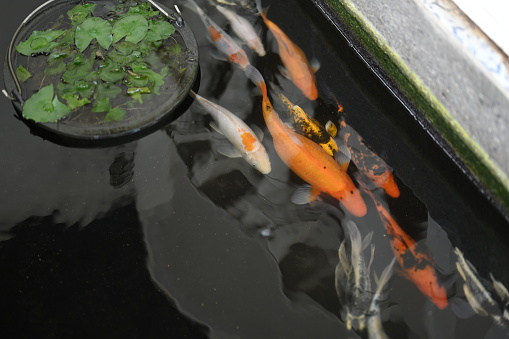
x=110 y=91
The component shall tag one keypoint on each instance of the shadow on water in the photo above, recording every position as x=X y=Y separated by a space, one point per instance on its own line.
x=165 y=237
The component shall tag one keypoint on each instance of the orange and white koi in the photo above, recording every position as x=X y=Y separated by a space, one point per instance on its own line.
x=307 y=159
x=368 y=163
x=221 y=39
x=243 y=29
x=295 y=61
x=244 y=141
x=416 y=265
x=309 y=127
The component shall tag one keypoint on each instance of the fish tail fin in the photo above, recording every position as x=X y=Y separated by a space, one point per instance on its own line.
x=261 y=10
x=255 y=76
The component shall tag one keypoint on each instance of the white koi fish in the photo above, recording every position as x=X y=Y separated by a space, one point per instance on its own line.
x=353 y=283
x=221 y=39
x=374 y=322
x=243 y=29
x=244 y=142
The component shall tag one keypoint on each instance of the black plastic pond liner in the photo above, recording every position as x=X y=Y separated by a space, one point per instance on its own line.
x=150 y=239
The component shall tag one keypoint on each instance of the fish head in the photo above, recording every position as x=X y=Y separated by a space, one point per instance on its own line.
x=259 y=159
x=352 y=200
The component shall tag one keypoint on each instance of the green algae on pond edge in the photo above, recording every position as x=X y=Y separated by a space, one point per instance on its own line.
x=474 y=157
x=122 y=50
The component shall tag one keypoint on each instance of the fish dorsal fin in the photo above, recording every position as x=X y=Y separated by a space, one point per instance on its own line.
x=228 y=150
x=258 y=132
x=343 y=156
x=315 y=65
x=303 y=195
x=215 y=127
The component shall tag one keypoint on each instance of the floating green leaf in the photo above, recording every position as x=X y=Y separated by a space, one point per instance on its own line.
x=78 y=68
x=102 y=105
x=56 y=66
x=133 y=27
x=159 y=30
x=80 y=13
x=39 y=42
x=43 y=106
x=22 y=73
x=107 y=91
x=115 y=114
x=93 y=28
x=144 y=9
x=110 y=71
x=74 y=101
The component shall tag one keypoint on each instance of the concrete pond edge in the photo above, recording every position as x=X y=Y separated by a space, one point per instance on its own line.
x=486 y=174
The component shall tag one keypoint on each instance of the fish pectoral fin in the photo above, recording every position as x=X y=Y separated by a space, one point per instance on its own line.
x=215 y=127
x=258 y=132
x=218 y=55
x=284 y=72
x=304 y=195
x=331 y=128
x=228 y=150
x=315 y=65
x=343 y=157
x=461 y=308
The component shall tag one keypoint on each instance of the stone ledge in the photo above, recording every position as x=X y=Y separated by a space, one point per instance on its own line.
x=463 y=103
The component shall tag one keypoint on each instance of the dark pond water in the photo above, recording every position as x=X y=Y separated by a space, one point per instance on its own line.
x=164 y=237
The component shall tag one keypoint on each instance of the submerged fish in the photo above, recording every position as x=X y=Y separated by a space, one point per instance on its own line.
x=244 y=30
x=368 y=163
x=244 y=141
x=374 y=321
x=478 y=296
x=306 y=159
x=416 y=265
x=309 y=127
x=220 y=38
x=297 y=66
x=353 y=283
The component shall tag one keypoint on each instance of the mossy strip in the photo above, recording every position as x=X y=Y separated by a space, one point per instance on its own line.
x=474 y=157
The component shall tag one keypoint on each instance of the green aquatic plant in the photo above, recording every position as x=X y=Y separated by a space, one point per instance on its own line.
x=97 y=59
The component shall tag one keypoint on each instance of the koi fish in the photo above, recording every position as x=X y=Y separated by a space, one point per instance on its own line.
x=416 y=266
x=221 y=39
x=297 y=66
x=476 y=293
x=368 y=163
x=307 y=159
x=244 y=141
x=353 y=283
x=244 y=30
x=310 y=127
x=374 y=322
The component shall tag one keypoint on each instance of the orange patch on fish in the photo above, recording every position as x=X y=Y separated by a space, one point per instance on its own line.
x=416 y=265
x=248 y=141
x=215 y=35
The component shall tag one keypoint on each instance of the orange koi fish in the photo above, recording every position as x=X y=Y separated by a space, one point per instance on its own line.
x=307 y=159
x=293 y=58
x=368 y=163
x=221 y=39
x=310 y=127
x=416 y=266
